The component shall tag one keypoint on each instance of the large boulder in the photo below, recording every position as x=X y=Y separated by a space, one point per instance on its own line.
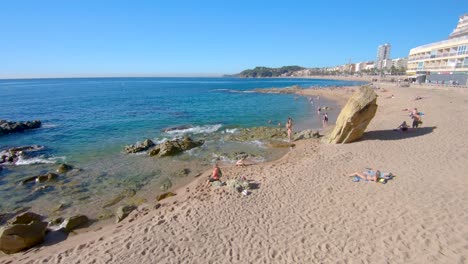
x=355 y=116
x=15 y=238
x=25 y=218
x=174 y=147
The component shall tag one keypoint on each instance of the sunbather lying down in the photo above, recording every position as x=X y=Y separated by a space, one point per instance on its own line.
x=372 y=175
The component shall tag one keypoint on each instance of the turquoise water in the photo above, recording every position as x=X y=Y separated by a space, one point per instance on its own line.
x=86 y=122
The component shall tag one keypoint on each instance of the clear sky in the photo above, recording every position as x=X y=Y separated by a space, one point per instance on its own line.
x=41 y=38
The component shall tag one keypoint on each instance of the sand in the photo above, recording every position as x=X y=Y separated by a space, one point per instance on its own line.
x=305 y=209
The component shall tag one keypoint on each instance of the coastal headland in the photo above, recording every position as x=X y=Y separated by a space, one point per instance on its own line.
x=304 y=208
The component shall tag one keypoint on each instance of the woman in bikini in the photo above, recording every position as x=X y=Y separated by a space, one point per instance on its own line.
x=289 y=127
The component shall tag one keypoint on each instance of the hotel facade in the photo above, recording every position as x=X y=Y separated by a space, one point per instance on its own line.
x=443 y=62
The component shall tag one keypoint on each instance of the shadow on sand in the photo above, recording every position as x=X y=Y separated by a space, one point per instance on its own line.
x=396 y=135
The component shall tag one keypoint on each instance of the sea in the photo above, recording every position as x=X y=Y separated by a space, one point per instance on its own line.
x=87 y=122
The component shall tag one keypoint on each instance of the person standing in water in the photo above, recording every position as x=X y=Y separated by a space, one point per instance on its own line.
x=325 y=120
x=289 y=125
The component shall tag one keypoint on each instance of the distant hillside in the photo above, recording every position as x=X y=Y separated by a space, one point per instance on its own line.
x=269 y=72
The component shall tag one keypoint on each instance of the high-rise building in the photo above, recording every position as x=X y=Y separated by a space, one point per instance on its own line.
x=444 y=61
x=383 y=53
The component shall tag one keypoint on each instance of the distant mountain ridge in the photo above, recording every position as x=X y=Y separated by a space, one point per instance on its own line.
x=259 y=72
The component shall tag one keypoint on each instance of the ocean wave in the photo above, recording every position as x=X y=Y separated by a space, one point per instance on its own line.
x=231 y=131
x=37 y=160
x=196 y=130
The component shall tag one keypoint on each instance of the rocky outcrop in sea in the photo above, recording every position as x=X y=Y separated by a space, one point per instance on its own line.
x=7 y=127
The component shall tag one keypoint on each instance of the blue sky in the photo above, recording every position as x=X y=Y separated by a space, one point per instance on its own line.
x=149 y=38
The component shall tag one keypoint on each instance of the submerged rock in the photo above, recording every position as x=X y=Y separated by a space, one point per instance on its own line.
x=47 y=177
x=174 y=147
x=64 y=168
x=7 y=127
x=139 y=147
x=70 y=224
x=306 y=134
x=40 y=178
x=258 y=133
x=122 y=212
x=15 y=238
x=166 y=184
x=120 y=197
x=355 y=117
x=164 y=196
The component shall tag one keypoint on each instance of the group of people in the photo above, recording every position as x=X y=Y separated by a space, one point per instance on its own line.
x=415 y=115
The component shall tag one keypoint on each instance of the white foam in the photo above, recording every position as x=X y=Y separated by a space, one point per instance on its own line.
x=48 y=125
x=37 y=160
x=196 y=130
x=231 y=131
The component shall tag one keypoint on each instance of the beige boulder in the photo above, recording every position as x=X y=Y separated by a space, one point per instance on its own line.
x=15 y=238
x=354 y=117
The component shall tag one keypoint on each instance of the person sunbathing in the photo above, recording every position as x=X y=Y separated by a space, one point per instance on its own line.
x=368 y=175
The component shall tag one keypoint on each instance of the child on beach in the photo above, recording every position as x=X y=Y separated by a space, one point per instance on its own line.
x=241 y=161
x=215 y=175
x=403 y=127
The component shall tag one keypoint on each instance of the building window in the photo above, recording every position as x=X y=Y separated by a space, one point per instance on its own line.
x=465 y=63
x=421 y=65
x=461 y=50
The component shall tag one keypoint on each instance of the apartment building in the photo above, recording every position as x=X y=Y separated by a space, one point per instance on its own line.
x=444 y=61
x=383 y=54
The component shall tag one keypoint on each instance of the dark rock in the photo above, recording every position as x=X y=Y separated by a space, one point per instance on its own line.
x=56 y=221
x=69 y=224
x=64 y=168
x=25 y=218
x=139 y=147
x=157 y=206
x=7 y=127
x=15 y=238
x=122 y=212
x=47 y=177
x=174 y=147
x=164 y=196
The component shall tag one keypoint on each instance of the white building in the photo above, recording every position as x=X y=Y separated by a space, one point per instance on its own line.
x=400 y=63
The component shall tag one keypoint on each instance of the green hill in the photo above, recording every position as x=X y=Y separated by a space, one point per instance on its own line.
x=259 y=72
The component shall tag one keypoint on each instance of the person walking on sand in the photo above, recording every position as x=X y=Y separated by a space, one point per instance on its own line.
x=289 y=125
x=325 y=120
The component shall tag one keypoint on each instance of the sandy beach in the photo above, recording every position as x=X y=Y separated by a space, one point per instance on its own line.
x=305 y=208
